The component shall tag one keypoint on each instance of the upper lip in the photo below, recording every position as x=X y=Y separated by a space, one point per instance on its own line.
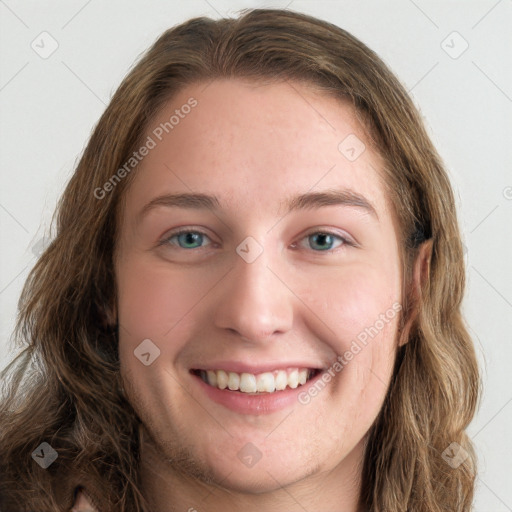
x=255 y=368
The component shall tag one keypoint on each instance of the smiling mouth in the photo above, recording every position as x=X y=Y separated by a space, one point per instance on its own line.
x=266 y=382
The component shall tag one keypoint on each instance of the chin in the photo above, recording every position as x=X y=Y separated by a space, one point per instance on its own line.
x=249 y=471
x=256 y=480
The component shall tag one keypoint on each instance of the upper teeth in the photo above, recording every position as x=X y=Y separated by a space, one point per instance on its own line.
x=263 y=382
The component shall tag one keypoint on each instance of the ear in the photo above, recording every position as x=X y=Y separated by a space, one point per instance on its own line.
x=420 y=275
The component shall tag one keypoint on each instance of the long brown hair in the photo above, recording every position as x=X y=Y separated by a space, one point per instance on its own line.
x=64 y=388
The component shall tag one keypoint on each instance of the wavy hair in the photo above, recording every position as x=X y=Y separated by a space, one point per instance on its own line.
x=64 y=387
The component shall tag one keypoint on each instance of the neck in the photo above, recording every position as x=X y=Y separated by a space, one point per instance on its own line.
x=167 y=489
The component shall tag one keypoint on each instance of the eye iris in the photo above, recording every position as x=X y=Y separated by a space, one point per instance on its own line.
x=321 y=239
x=189 y=239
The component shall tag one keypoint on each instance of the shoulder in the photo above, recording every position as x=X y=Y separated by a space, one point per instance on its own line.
x=83 y=503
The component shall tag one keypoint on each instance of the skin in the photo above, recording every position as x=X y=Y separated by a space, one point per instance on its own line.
x=254 y=146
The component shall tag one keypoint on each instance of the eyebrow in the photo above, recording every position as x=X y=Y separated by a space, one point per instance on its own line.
x=307 y=201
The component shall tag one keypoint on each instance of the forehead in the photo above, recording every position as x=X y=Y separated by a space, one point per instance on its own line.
x=254 y=146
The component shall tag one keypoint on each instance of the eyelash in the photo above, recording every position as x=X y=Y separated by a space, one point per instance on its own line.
x=345 y=241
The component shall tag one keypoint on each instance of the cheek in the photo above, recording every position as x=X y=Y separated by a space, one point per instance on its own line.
x=154 y=300
x=354 y=301
x=367 y=320
x=159 y=304
x=361 y=309
x=356 y=390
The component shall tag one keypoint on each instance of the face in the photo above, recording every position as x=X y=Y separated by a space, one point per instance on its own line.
x=257 y=250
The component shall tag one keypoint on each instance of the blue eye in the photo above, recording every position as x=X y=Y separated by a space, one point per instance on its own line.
x=323 y=241
x=319 y=241
x=187 y=239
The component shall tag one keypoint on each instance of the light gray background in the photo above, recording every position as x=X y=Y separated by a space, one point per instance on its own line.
x=49 y=106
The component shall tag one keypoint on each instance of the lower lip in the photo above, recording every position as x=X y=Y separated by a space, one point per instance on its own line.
x=263 y=403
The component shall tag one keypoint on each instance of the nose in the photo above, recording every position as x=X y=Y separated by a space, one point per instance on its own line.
x=254 y=301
